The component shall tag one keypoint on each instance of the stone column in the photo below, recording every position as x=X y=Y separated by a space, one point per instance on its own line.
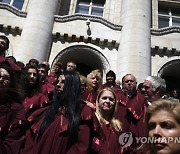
x=36 y=36
x=135 y=46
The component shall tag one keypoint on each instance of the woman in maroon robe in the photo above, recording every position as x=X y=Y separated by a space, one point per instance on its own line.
x=12 y=113
x=63 y=127
x=106 y=129
x=92 y=84
x=31 y=85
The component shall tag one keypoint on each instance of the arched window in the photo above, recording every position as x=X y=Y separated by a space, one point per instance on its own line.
x=91 y=7
x=16 y=3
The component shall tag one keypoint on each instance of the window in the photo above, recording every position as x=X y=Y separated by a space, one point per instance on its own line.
x=168 y=16
x=91 y=7
x=16 y=3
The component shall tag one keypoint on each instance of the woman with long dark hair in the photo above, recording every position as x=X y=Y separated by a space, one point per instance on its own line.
x=63 y=127
x=12 y=113
x=31 y=85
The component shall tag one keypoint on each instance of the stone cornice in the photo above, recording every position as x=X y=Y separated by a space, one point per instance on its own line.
x=13 y=10
x=164 y=51
x=10 y=29
x=166 y=30
x=101 y=20
x=87 y=39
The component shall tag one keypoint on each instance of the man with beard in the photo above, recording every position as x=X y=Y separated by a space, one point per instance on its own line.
x=111 y=81
x=130 y=108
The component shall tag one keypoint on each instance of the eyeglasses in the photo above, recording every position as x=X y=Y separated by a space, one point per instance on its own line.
x=129 y=81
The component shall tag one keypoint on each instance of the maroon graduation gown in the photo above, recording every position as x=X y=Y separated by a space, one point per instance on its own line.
x=55 y=138
x=104 y=138
x=12 y=116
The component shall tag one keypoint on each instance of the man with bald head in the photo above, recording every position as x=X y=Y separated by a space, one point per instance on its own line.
x=130 y=108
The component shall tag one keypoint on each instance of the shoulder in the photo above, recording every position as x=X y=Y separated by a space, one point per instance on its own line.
x=86 y=112
x=16 y=116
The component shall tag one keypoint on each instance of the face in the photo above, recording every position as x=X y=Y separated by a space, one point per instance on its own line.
x=129 y=83
x=148 y=91
x=107 y=101
x=4 y=78
x=60 y=84
x=162 y=124
x=92 y=81
x=110 y=79
x=70 y=67
x=3 y=46
x=32 y=75
x=42 y=73
x=33 y=63
x=57 y=68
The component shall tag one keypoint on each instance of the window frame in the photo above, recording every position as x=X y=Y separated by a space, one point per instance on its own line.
x=12 y=3
x=168 y=15
x=90 y=5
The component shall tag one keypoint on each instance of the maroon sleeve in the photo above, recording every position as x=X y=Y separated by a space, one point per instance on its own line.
x=82 y=145
x=14 y=66
x=12 y=142
x=11 y=137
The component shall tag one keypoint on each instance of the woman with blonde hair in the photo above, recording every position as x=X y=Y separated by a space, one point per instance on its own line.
x=106 y=128
x=93 y=82
x=163 y=126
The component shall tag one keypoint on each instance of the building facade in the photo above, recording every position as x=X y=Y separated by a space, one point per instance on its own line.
x=141 y=37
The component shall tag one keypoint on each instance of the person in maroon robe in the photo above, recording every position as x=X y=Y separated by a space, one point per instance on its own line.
x=57 y=69
x=106 y=129
x=12 y=113
x=47 y=88
x=111 y=81
x=31 y=85
x=4 y=45
x=154 y=88
x=131 y=109
x=90 y=92
x=63 y=127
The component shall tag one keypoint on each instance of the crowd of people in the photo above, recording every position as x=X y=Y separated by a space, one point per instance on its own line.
x=44 y=111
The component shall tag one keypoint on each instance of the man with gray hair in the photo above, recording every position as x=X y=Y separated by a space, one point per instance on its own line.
x=154 y=88
x=71 y=66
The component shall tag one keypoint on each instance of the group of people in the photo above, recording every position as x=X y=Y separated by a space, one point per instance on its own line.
x=62 y=111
